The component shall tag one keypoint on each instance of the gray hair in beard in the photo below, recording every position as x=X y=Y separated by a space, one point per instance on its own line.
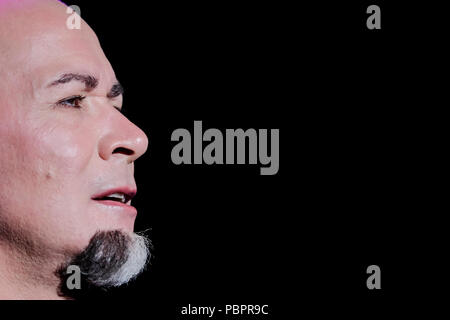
x=111 y=259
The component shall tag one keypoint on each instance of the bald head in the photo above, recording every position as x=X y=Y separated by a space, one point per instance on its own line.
x=31 y=30
x=22 y=21
x=36 y=46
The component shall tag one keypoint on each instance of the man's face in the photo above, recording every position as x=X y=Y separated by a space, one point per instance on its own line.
x=59 y=151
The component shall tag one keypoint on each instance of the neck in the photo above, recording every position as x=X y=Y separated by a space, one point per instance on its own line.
x=25 y=278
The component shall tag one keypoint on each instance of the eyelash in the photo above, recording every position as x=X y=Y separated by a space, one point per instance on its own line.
x=71 y=102
x=64 y=103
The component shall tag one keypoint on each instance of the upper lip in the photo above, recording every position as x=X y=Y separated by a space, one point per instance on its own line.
x=129 y=193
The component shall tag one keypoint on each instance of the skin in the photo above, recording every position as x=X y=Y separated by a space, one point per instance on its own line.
x=54 y=158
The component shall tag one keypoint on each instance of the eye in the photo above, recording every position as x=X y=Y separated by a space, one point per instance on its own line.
x=72 y=102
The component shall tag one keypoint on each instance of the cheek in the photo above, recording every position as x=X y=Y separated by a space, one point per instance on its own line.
x=44 y=175
x=43 y=163
x=62 y=151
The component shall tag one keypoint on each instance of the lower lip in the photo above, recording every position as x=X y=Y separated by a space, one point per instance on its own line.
x=118 y=205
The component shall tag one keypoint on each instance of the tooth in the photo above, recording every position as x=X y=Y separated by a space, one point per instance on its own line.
x=120 y=196
x=117 y=195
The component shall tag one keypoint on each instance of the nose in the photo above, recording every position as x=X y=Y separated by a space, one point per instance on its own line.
x=122 y=139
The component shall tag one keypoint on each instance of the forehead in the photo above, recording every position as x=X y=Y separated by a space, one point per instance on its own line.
x=71 y=52
x=41 y=47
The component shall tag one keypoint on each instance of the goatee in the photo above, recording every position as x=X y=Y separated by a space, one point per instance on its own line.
x=111 y=259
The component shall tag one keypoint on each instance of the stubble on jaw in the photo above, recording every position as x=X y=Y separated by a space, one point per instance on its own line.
x=32 y=263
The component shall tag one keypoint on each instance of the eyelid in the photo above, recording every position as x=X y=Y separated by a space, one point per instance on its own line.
x=62 y=102
x=74 y=97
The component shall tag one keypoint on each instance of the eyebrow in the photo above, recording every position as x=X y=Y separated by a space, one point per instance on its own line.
x=89 y=81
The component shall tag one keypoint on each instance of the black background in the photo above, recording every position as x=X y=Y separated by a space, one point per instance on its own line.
x=345 y=194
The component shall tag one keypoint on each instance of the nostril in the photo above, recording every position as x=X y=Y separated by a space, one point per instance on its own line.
x=122 y=150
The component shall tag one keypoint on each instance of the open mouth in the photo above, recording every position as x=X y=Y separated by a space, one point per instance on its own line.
x=119 y=196
x=117 y=200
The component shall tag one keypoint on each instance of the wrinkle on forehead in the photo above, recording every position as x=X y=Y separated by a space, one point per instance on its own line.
x=31 y=24
x=35 y=41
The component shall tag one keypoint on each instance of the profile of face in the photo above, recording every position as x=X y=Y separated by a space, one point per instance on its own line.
x=66 y=151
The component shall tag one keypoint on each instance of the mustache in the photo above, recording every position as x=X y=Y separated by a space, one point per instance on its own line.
x=112 y=258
